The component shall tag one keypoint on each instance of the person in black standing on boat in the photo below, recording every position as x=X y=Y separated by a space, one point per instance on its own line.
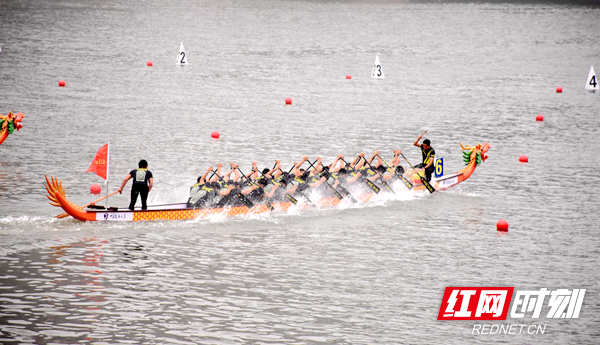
x=142 y=184
x=428 y=156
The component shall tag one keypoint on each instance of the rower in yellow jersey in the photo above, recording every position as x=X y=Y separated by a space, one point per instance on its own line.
x=428 y=156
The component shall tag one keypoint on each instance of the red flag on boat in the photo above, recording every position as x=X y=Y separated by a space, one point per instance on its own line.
x=100 y=163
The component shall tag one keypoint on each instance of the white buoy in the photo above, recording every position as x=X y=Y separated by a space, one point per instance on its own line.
x=181 y=57
x=592 y=82
x=377 y=71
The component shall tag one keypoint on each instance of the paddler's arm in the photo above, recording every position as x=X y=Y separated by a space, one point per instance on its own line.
x=314 y=171
x=227 y=174
x=254 y=173
x=247 y=191
x=203 y=178
x=292 y=190
x=150 y=183
x=373 y=178
x=416 y=143
x=272 y=192
x=356 y=159
x=396 y=159
x=336 y=183
x=361 y=162
x=340 y=159
x=235 y=172
x=379 y=161
x=120 y=190
x=217 y=174
x=373 y=156
x=226 y=191
x=332 y=167
x=296 y=169
x=388 y=176
x=354 y=178
x=317 y=184
x=276 y=172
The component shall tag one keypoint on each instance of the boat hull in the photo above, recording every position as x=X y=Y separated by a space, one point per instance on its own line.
x=57 y=197
x=3 y=135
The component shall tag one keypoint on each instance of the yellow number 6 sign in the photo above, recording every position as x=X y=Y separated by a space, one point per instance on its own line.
x=439 y=167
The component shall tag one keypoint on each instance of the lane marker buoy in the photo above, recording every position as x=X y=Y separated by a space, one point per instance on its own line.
x=95 y=189
x=61 y=83
x=539 y=117
x=288 y=101
x=523 y=159
x=348 y=76
x=149 y=63
x=559 y=89
x=215 y=135
x=502 y=225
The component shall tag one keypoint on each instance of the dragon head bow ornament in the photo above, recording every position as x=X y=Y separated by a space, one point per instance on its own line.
x=477 y=153
x=8 y=124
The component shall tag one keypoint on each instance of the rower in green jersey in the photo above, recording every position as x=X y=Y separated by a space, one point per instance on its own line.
x=428 y=156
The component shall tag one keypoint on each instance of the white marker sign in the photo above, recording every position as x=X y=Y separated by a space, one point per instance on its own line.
x=181 y=57
x=592 y=82
x=377 y=71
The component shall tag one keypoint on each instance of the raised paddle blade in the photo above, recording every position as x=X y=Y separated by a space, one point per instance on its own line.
x=306 y=198
x=245 y=200
x=387 y=186
x=426 y=184
x=406 y=182
x=339 y=196
x=291 y=198
x=347 y=194
x=373 y=186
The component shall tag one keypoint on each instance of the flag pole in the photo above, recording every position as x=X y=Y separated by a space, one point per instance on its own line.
x=107 y=170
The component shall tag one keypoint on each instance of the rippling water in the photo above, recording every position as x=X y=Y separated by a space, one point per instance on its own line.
x=356 y=274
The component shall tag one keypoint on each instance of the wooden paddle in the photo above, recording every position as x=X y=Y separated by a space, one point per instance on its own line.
x=288 y=195
x=65 y=215
x=338 y=194
x=387 y=186
x=425 y=182
x=402 y=178
x=369 y=183
x=328 y=185
x=245 y=200
x=261 y=196
x=287 y=180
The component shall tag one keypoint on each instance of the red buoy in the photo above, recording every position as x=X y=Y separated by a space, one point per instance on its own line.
x=61 y=83
x=539 y=117
x=559 y=89
x=215 y=135
x=288 y=101
x=149 y=63
x=523 y=159
x=348 y=76
x=95 y=189
x=502 y=225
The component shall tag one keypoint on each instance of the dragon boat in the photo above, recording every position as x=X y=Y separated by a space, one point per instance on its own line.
x=9 y=123
x=473 y=157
